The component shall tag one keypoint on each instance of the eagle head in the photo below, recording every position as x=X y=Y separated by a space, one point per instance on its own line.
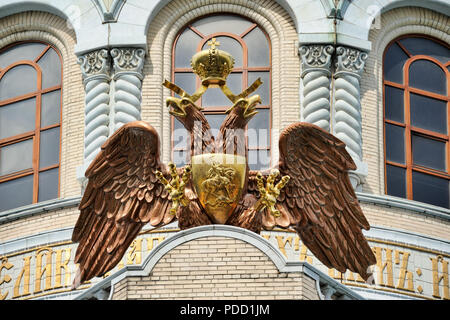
x=244 y=108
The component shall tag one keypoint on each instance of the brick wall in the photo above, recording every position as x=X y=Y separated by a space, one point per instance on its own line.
x=216 y=268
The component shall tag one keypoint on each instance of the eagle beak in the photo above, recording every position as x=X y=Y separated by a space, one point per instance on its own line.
x=249 y=105
x=250 y=110
x=177 y=107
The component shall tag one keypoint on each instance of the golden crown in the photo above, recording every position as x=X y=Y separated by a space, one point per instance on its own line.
x=212 y=66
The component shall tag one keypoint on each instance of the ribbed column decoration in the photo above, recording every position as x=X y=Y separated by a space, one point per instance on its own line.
x=349 y=66
x=316 y=74
x=128 y=66
x=95 y=68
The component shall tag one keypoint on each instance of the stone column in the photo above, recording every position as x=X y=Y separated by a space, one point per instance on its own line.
x=128 y=67
x=349 y=65
x=95 y=68
x=316 y=74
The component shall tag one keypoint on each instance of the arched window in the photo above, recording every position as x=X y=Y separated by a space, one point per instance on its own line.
x=250 y=48
x=416 y=87
x=30 y=121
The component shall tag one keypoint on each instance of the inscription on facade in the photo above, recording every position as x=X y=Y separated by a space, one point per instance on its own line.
x=400 y=268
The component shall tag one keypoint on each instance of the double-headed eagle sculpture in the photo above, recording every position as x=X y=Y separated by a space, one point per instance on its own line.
x=308 y=191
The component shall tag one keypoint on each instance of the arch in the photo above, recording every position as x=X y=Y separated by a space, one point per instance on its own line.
x=162 y=33
x=81 y=16
x=362 y=16
x=51 y=29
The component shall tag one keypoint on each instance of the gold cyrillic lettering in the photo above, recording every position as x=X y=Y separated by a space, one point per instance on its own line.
x=25 y=275
x=62 y=266
x=404 y=273
x=40 y=271
x=438 y=278
x=5 y=265
x=386 y=265
x=282 y=244
x=135 y=253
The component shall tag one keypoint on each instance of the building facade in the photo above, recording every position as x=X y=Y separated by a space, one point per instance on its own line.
x=374 y=73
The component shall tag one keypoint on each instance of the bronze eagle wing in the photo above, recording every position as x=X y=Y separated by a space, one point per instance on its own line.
x=319 y=202
x=122 y=195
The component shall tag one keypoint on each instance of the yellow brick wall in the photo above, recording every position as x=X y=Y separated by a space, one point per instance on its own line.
x=42 y=222
x=216 y=268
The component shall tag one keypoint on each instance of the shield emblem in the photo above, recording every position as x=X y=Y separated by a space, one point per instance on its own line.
x=218 y=180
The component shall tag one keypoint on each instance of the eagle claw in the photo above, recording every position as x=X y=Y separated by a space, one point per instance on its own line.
x=270 y=192
x=176 y=186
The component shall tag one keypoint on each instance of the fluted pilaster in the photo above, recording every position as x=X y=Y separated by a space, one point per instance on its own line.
x=316 y=74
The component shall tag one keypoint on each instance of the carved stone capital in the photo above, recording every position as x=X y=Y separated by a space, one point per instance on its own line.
x=316 y=57
x=128 y=61
x=95 y=64
x=350 y=61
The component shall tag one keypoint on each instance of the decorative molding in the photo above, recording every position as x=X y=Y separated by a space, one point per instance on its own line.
x=109 y=10
x=37 y=208
x=95 y=64
x=128 y=66
x=316 y=73
x=350 y=61
x=410 y=205
x=128 y=60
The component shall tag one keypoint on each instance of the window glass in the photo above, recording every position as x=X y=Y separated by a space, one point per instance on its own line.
x=30 y=119
x=426 y=75
x=394 y=104
x=258 y=48
x=229 y=23
x=51 y=108
x=16 y=193
x=396 y=181
x=25 y=51
x=17 y=81
x=10 y=155
x=394 y=60
x=48 y=185
x=186 y=48
x=428 y=152
x=49 y=148
x=430 y=189
x=18 y=117
x=416 y=151
x=395 y=148
x=424 y=46
x=428 y=113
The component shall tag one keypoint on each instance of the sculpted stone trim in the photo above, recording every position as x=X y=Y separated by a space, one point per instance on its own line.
x=411 y=205
x=40 y=207
x=316 y=74
x=128 y=65
x=221 y=231
x=95 y=68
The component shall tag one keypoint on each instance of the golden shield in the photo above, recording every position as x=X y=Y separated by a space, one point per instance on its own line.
x=218 y=180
